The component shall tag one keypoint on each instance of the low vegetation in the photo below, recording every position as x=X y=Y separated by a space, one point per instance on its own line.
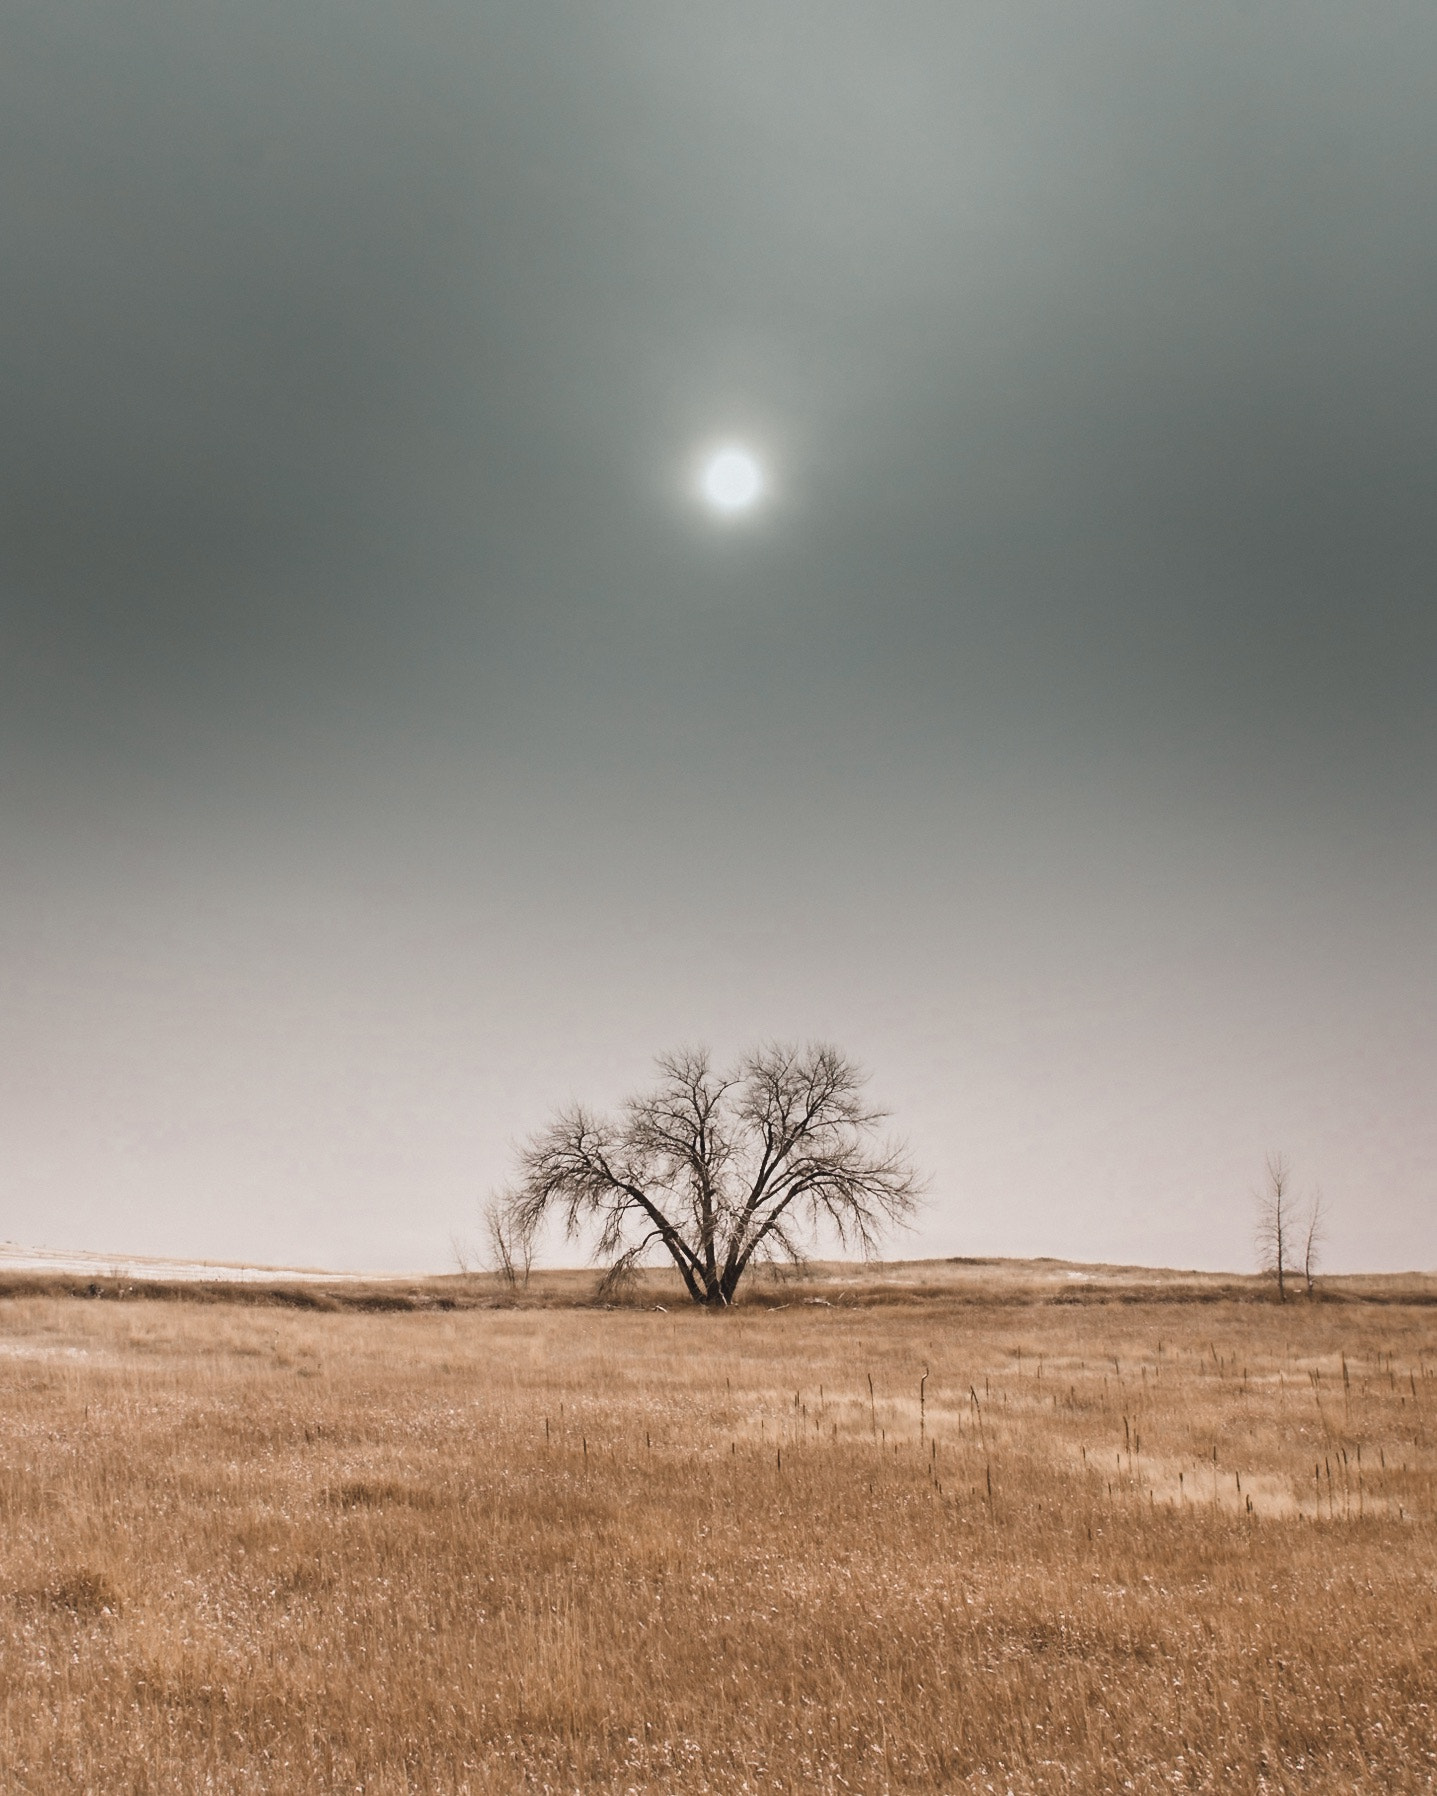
x=930 y=1531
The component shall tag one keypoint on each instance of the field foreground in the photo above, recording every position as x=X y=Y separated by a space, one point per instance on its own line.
x=1103 y=1547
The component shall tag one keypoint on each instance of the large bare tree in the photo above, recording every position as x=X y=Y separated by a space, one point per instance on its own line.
x=719 y=1169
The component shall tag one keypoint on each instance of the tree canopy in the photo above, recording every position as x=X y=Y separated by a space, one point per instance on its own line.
x=720 y=1169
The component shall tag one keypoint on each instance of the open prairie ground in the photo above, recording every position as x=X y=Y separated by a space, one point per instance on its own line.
x=1157 y=1539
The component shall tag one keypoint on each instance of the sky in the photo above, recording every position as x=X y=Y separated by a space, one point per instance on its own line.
x=393 y=745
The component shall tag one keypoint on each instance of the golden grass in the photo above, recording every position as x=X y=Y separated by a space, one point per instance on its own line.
x=1123 y=1546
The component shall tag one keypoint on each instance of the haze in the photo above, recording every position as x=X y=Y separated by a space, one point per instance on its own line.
x=393 y=747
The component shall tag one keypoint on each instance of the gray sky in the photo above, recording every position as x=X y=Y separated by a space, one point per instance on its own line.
x=393 y=747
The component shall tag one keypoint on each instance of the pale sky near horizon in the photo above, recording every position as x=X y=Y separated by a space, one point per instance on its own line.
x=394 y=745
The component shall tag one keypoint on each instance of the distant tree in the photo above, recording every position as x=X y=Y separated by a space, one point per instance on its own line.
x=720 y=1170
x=1276 y=1223
x=1313 y=1237
x=510 y=1247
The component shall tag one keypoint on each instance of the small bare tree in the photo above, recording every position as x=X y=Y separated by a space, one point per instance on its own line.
x=1313 y=1238
x=510 y=1245
x=1276 y=1223
x=719 y=1170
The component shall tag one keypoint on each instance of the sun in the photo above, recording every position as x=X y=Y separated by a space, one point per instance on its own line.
x=732 y=480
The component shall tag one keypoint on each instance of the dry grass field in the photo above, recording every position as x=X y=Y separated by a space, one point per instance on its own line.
x=1156 y=1539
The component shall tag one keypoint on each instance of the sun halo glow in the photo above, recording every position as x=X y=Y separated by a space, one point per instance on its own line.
x=732 y=480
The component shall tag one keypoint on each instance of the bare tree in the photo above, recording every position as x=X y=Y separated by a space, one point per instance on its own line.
x=1276 y=1222
x=1313 y=1237
x=719 y=1170
x=510 y=1245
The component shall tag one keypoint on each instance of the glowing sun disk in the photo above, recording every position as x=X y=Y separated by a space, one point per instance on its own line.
x=732 y=480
